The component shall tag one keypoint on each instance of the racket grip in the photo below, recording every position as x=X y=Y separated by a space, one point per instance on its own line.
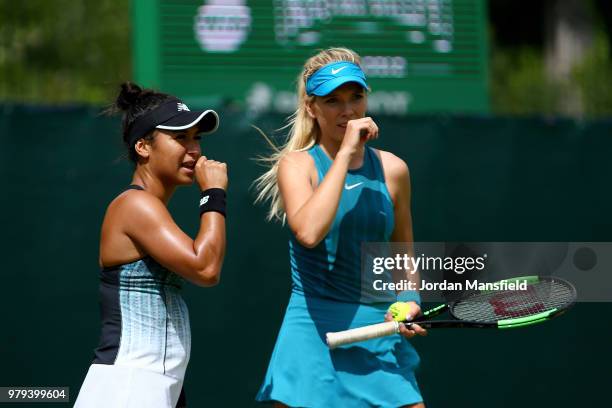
x=361 y=333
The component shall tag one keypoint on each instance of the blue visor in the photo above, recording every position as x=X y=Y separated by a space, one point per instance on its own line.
x=331 y=76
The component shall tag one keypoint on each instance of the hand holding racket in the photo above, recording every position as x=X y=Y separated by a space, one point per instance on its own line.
x=543 y=299
x=402 y=312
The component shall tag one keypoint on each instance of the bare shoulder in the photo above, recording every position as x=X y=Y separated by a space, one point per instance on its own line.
x=130 y=212
x=395 y=168
x=135 y=206
x=300 y=159
x=298 y=163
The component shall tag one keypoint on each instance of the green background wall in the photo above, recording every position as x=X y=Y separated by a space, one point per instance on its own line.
x=474 y=179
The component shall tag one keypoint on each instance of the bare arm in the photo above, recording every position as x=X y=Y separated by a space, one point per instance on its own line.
x=311 y=211
x=149 y=225
x=146 y=222
x=398 y=181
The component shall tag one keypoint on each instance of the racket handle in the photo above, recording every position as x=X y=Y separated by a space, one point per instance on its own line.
x=361 y=333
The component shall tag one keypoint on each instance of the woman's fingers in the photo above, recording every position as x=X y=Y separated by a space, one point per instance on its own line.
x=412 y=330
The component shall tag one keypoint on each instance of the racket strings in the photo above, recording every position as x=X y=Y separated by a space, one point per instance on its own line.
x=511 y=304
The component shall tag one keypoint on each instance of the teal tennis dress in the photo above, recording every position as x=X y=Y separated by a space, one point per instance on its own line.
x=329 y=294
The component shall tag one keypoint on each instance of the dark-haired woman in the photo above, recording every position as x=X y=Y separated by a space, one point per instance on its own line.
x=145 y=342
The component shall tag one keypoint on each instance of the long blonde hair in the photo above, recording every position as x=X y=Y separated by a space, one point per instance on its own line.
x=303 y=130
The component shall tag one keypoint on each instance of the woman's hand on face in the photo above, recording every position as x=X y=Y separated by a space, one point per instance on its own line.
x=358 y=132
x=413 y=329
x=210 y=174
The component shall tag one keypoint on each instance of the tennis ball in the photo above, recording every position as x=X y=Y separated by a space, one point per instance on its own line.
x=399 y=311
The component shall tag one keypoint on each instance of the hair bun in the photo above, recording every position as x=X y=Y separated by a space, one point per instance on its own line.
x=129 y=95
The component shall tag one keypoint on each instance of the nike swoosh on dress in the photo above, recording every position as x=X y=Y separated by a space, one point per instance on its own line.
x=352 y=186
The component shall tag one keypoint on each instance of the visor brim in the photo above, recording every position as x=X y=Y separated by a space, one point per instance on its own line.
x=207 y=121
x=328 y=87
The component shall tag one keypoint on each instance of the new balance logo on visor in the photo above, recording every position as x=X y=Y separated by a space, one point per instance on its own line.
x=204 y=200
x=335 y=71
x=182 y=107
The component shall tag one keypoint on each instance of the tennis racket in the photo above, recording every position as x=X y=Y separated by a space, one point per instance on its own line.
x=545 y=297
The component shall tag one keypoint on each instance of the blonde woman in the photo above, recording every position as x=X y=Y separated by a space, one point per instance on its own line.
x=336 y=192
